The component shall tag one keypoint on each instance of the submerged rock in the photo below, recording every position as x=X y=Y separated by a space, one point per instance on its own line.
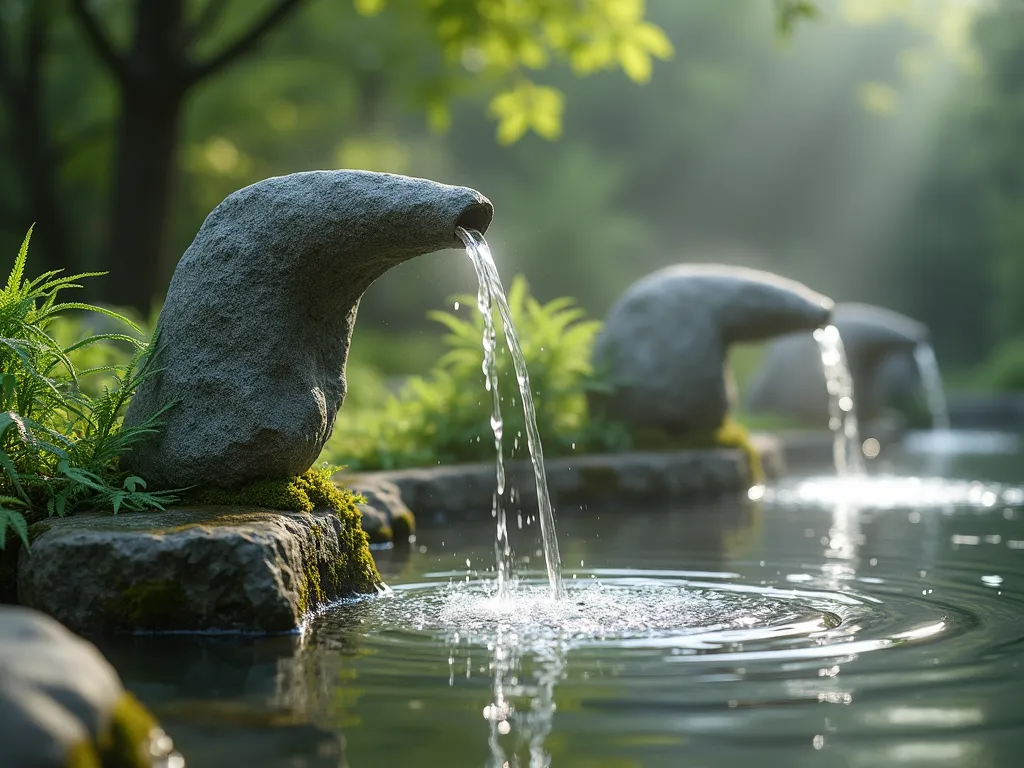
x=200 y=568
x=62 y=704
x=255 y=330
x=791 y=382
x=664 y=342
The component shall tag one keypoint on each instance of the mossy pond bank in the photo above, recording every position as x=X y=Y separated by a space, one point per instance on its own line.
x=774 y=630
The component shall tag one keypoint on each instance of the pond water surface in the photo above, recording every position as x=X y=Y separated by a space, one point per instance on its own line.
x=872 y=622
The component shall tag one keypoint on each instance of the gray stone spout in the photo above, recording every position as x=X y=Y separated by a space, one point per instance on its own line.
x=664 y=342
x=791 y=381
x=255 y=330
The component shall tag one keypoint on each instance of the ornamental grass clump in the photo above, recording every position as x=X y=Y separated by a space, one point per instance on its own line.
x=59 y=440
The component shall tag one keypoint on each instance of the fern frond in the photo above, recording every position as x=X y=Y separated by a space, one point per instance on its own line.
x=17 y=274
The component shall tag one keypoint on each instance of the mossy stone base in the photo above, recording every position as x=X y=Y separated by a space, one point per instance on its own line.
x=195 y=569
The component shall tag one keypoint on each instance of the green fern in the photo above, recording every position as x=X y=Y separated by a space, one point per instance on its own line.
x=59 y=439
x=443 y=417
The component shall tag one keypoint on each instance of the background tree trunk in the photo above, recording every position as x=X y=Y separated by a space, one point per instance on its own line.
x=144 y=175
x=152 y=96
x=51 y=248
x=23 y=93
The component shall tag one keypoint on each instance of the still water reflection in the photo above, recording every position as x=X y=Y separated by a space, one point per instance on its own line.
x=799 y=629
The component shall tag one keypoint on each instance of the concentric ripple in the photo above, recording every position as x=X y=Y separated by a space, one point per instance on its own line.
x=609 y=607
x=692 y=615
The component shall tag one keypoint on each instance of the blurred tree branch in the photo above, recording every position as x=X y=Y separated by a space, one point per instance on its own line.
x=245 y=42
x=207 y=19
x=98 y=38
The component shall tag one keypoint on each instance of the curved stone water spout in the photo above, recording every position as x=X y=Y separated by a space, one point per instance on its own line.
x=664 y=342
x=791 y=382
x=255 y=330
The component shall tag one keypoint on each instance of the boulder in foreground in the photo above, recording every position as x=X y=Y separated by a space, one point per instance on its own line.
x=62 y=704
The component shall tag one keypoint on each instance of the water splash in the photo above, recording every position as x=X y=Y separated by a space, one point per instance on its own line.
x=490 y=282
x=931 y=380
x=846 y=448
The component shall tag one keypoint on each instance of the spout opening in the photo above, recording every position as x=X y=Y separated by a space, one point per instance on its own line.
x=476 y=216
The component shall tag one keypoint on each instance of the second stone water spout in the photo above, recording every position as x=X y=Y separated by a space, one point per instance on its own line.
x=664 y=342
x=255 y=331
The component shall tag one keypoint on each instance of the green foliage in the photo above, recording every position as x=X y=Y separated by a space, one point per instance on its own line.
x=790 y=12
x=504 y=41
x=442 y=418
x=59 y=444
x=1005 y=369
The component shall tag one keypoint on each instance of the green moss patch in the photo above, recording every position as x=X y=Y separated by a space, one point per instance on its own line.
x=353 y=571
x=311 y=490
x=731 y=434
x=126 y=740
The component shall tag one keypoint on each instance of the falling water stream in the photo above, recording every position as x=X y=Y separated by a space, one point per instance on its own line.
x=846 y=448
x=502 y=546
x=931 y=380
x=491 y=290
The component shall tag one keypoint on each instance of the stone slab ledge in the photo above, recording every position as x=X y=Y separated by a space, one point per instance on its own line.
x=228 y=569
x=441 y=494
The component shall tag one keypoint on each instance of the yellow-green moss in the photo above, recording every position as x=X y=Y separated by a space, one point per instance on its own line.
x=403 y=525
x=125 y=743
x=355 y=571
x=82 y=754
x=311 y=590
x=152 y=605
x=731 y=434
